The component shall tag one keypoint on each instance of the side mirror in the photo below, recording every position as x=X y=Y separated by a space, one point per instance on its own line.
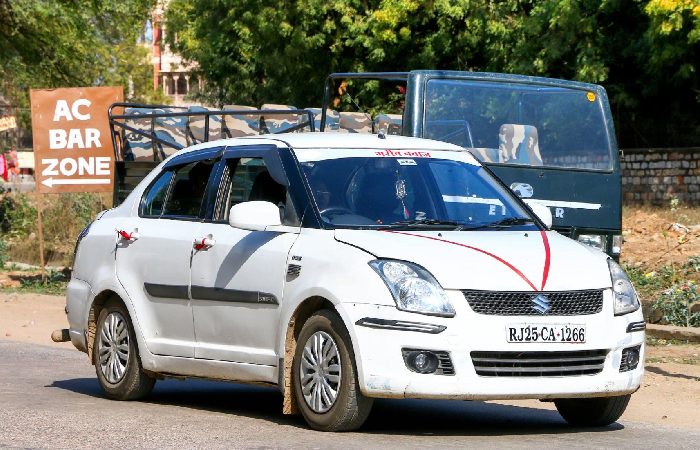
x=254 y=216
x=543 y=212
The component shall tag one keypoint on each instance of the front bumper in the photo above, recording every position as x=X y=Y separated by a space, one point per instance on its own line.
x=383 y=373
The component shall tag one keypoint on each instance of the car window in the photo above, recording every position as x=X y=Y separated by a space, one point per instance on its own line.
x=370 y=191
x=188 y=189
x=465 y=195
x=154 y=198
x=247 y=179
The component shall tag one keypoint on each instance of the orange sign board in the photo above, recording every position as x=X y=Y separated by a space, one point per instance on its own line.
x=72 y=145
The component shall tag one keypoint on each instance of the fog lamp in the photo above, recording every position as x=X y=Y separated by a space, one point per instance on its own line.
x=421 y=361
x=630 y=358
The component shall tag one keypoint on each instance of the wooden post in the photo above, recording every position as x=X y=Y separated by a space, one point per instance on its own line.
x=39 y=207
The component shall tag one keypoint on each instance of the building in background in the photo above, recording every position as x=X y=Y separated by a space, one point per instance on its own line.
x=170 y=72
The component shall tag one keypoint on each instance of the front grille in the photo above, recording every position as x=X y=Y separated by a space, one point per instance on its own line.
x=566 y=303
x=538 y=364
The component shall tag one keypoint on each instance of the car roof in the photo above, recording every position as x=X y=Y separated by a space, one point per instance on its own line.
x=330 y=141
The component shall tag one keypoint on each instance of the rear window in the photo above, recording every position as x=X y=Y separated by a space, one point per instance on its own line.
x=178 y=193
x=154 y=198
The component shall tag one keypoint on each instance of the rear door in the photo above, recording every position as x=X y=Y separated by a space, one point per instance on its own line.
x=154 y=264
x=237 y=283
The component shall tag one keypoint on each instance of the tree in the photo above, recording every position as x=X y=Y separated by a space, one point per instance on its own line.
x=645 y=52
x=63 y=43
x=253 y=52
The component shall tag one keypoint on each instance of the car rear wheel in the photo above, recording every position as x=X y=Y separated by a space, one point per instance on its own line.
x=592 y=412
x=116 y=357
x=325 y=377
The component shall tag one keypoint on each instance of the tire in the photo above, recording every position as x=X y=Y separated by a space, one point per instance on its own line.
x=592 y=412
x=350 y=408
x=120 y=374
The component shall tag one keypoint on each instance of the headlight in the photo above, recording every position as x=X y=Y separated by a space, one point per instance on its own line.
x=414 y=289
x=596 y=241
x=616 y=247
x=625 y=296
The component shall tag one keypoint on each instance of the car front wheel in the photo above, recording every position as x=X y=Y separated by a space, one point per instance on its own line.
x=325 y=377
x=592 y=412
x=116 y=358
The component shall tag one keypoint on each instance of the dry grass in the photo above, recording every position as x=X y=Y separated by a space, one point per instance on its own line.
x=64 y=216
x=683 y=214
x=651 y=241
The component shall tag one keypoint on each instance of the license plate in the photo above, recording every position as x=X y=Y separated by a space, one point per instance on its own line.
x=542 y=333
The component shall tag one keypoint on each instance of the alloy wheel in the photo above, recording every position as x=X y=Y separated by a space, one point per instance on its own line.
x=113 y=347
x=320 y=372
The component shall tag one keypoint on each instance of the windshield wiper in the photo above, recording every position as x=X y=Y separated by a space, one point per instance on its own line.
x=507 y=222
x=457 y=226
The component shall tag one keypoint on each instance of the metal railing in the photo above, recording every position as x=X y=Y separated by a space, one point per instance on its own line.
x=119 y=126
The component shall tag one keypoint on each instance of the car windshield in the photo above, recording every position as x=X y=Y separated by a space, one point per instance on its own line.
x=408 y=189
x=510 y=123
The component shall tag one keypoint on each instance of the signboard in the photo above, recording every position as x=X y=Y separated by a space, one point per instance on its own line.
x=72 y=144
x=25 y=160
x=8 y=123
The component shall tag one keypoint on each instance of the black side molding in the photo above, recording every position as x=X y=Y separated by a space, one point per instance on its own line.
x=167 y=291
x=209 y=293
x=232 y=295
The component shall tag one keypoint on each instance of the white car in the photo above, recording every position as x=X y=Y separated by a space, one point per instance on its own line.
x=343 y=268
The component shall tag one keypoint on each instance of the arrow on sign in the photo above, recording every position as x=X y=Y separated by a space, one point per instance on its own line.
x=50 y=182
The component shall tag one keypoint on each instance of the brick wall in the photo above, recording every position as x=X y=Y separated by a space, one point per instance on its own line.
x=657 y=175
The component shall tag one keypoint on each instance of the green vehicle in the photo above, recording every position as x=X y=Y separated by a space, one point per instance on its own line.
x=551 y=141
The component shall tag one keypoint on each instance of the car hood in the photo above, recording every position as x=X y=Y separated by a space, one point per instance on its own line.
x=491 y=260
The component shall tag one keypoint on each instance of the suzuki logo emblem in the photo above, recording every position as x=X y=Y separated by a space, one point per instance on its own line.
x=541 y=304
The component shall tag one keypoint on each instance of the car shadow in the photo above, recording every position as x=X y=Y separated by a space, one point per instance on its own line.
x=389 y=416
x=660 y=371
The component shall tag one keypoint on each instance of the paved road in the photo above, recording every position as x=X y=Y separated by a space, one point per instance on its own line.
x=49 y=398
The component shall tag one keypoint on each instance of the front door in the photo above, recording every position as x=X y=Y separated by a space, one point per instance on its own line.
x=153 y=257
x=237 y=281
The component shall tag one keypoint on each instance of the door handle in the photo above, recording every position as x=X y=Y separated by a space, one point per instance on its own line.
x=204 y=243
x=128 y=236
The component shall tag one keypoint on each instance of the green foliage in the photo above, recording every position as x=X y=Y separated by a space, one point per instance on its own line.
x=17 y=215
x=3 y=253
x=64 y=216
x=675 y=302
x=54 y=284
x=65 y=43
x=645 y=52
x=665 y=276
x=672 y=291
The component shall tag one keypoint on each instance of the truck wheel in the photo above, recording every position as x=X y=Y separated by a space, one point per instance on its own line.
x=325 y=378
x=592 y=412
x=116 y=357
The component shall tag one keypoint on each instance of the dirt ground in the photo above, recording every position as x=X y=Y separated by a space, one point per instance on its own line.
x=670 y=393
x=658 y=237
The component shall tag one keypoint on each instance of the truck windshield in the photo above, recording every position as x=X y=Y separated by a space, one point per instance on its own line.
x=409 y=192
x=509 y=123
